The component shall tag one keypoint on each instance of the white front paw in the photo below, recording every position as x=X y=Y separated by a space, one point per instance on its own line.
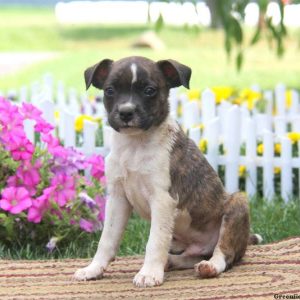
x=149 y=278
x=89 y=273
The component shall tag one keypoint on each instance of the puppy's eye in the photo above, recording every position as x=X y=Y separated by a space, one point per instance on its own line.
x=149 y=91
x=109 y=92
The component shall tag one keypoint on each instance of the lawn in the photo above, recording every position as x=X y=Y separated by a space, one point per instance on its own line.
x=35 y=29
x=28 y=29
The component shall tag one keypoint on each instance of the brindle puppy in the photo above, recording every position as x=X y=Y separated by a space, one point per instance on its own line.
x=155 y=169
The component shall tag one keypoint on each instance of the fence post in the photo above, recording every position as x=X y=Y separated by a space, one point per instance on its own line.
x=251 y=168
x=208 y=106
x=89 y=137
x=29 y=130
x=212 y=135
x=280 y=125
x=191 y=115
x=268 y=95
x=280 y=99
x=294 y=109
x=268 y=167
x=69 y=129
x=47 y=108
x=286 y=169
x=262 y=122
x=107 y=132
x=195 y=134
x=232 y=147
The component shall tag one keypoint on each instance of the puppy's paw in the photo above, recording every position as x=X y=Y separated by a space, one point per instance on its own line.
x=148 y=279
x=91 y=272
x=206 y=269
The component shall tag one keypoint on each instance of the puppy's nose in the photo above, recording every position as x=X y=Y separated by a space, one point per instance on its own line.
x=126 y=111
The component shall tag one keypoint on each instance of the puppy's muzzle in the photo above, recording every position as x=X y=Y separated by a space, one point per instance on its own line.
x=127 y=112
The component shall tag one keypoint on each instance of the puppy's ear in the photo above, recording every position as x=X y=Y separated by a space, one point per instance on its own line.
x=175 y=73
x=97 y=74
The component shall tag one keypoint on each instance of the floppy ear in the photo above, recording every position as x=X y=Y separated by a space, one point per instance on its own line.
x=175 y=73
x=97 y=74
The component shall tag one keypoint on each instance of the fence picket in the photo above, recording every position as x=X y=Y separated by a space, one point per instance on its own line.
x=251 y=178
x=212 y=130
x=286 y=168
x=232 y=147
x=268 y=168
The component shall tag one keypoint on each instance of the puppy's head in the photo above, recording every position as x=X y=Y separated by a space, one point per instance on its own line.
x=136 y=90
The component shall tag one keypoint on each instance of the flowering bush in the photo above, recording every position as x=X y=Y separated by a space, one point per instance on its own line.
x=44 y=193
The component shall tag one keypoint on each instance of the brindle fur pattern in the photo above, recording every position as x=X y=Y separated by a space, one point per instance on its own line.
x=197 y=185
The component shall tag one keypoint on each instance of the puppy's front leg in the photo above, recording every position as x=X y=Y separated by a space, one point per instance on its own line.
x=163 y=209
x=117 y=213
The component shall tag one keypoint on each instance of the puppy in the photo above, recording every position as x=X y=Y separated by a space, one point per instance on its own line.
x=156 y=170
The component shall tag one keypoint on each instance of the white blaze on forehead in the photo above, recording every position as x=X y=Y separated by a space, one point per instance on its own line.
x=127 y=105
x=133 y=68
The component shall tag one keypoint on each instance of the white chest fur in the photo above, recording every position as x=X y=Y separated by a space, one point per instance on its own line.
x=141 y=162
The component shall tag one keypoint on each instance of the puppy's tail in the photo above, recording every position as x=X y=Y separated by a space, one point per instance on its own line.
x=255 y=239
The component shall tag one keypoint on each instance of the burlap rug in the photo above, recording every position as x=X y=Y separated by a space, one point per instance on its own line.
x=265 y=271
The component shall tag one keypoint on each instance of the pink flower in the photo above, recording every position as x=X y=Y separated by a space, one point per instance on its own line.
x=43 y=127
x=29 y=111
x=64 y=188
x=54 y=147
x=15 y=199
x=37 y=210
x=29 y=173
x=86 y=225
x=97 y=163
x=101 y=202
x=23 y=150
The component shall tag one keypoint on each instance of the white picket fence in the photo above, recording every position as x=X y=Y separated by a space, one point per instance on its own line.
x=226 y=123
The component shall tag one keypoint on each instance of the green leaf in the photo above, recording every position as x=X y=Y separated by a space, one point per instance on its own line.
x=159 y=23
x=237 y=31
x=228 y=45
x=256 y=37
x=239 y=60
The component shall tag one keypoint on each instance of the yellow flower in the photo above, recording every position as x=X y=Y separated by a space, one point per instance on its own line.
x=200 y=126
x=238 y=101
x=260 y=149
x=57 y=115
x=249 y=94
x=288 y=99
x=203 y=145
x=193 y=94
x=80 y=120
x=277 y=148
x=242 y=170
x=222 y=93
x=277 y=170
x=294 y=136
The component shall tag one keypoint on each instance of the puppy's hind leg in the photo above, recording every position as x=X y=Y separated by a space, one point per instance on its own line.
x=233 y=238
x=181 y=262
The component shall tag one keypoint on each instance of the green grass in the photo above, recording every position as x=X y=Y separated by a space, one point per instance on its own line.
x=28 y=29
x=273 y=220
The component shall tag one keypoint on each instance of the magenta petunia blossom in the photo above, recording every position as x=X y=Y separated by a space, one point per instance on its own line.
x=29 y=173
x=43 y=127
x=97 y=163
x=22 y=151
x=31 y=112
x=86 y=225
x=64 y=188
x=39 y=206
x=101 y=202
x=15 y=200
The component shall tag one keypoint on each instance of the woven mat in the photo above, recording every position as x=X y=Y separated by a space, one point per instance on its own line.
x=265 y=270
